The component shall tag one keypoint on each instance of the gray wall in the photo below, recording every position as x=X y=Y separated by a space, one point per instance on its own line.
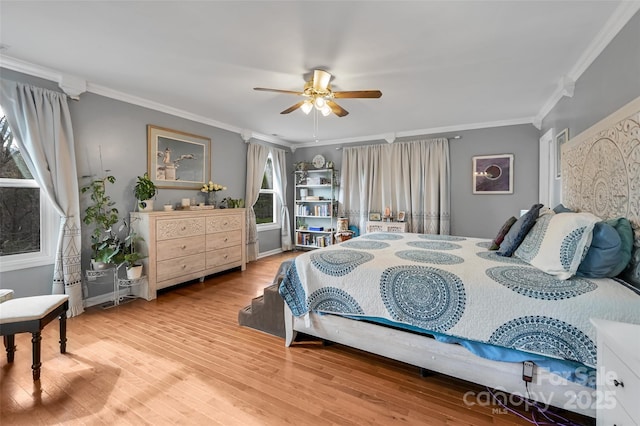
x=476 y=215
x=612 y=81
x=118 y=129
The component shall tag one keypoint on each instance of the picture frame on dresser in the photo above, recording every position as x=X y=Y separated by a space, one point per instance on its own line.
x=401 y=216
x=375 y=217
x=177 y=160
x=493 y=174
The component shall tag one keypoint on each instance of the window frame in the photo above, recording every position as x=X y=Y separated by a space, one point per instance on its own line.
x=276 y=204
x=49 y=225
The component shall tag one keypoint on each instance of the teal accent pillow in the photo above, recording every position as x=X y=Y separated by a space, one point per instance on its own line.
x=624 y=229
x=495 y=244
x=518 y=231
x=604 y=253
x=560 y=208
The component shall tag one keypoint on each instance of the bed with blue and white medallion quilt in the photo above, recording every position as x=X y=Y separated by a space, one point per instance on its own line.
x=457 y=290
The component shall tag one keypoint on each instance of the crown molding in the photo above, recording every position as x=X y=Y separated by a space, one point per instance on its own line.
x=61 y=78
x=419 y=132
x=623 y=13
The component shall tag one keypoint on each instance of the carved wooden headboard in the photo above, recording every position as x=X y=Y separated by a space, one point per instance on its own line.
x=601 y=168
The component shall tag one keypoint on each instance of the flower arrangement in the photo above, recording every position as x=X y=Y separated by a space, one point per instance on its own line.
x=212 y=187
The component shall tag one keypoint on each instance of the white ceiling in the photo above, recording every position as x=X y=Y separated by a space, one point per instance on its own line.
x=441 y=65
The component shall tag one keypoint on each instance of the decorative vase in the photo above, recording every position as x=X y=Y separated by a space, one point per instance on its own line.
x=210 y=199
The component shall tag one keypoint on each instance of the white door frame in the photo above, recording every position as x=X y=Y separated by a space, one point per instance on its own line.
x=547 y=192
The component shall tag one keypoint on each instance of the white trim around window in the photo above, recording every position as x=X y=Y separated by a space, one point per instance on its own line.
x=49 y=225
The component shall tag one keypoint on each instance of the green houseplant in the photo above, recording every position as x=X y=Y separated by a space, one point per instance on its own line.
x=130 y=256
x=102 y=215
x=144 y=191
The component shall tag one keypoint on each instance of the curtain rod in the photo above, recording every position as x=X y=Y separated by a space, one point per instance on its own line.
x=450 y=138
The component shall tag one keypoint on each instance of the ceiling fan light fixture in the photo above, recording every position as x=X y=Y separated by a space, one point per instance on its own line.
x=319 y=102
x=325 y=110
x=307 y=106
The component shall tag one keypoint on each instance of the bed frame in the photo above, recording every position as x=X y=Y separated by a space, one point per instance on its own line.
x=617 y=134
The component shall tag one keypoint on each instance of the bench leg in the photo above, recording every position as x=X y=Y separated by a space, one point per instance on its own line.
x=10 y=346
x=63 y=332
x=35 y=340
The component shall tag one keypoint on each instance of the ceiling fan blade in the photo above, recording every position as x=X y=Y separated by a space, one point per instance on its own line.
x=321 y=80
x=292 y=108
x=291 y=92
x=358 y=94
x=337 y=109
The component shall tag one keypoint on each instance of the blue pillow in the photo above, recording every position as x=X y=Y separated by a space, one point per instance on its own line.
x=624 y=229
x=560 y=208
x=518 y=231
x=604 y=253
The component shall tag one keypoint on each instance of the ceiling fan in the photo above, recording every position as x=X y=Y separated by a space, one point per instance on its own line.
x=318 y=94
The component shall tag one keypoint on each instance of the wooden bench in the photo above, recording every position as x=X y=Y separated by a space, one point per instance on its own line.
x=30 y=315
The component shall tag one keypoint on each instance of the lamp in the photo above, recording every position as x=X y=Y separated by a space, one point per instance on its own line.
x=319 y=102
x=307 y=106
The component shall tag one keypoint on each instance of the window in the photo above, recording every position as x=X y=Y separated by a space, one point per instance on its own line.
x=267 y=204
x=27 y=219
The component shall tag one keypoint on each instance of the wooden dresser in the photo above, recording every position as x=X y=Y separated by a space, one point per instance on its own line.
x=188 y=244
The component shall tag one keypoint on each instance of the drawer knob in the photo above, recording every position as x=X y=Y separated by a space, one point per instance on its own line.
x=184 y=247
x=184 y=228
x=184 y=266
x=226 y=239
x=617 y=383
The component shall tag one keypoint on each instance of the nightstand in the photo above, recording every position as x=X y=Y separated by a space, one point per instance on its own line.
x=618 y=392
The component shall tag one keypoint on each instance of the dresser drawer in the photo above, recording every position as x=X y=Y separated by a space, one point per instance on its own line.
x=223 y=256
x=223 y=239
x=177 y=267
x=628 y=389
x=169 y=249
x=179 y=228
x=224 y=223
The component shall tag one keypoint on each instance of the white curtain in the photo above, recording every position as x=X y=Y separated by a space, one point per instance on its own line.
x=278 y=157
x=406 y=176
x=41 y=125
x=256 y=161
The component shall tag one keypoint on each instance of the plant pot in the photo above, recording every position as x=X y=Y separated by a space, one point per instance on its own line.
x=99 y=266
x=134 y=272
x=145 y=206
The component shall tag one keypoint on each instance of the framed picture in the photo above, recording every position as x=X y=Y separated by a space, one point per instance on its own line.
x=375 y=216
x=561 y=138
x=401 y=215
x=493 y=174
x=178 y=160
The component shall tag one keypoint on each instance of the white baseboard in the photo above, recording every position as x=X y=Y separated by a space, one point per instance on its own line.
x=269 y=253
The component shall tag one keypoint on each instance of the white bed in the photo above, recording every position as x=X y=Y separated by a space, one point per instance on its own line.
x=590 y=184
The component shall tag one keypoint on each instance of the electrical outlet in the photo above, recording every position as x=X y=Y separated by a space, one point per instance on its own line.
x=527 y=371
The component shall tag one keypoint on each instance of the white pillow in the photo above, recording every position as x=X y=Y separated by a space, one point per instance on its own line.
x=557 y=243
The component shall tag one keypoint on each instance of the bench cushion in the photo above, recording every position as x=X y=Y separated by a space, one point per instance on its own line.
x=30 y=308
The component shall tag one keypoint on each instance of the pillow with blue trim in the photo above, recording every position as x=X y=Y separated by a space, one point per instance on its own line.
x=518 y=231
x=558 y=243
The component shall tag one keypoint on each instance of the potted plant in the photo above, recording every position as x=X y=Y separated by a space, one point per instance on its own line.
x=102 y=215
x=144 y=191
x=129 y=256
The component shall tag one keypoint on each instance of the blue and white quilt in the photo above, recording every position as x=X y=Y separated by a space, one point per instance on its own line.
x=454 y=286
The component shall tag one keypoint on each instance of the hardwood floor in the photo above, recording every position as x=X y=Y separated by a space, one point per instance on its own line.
x=183 y=359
